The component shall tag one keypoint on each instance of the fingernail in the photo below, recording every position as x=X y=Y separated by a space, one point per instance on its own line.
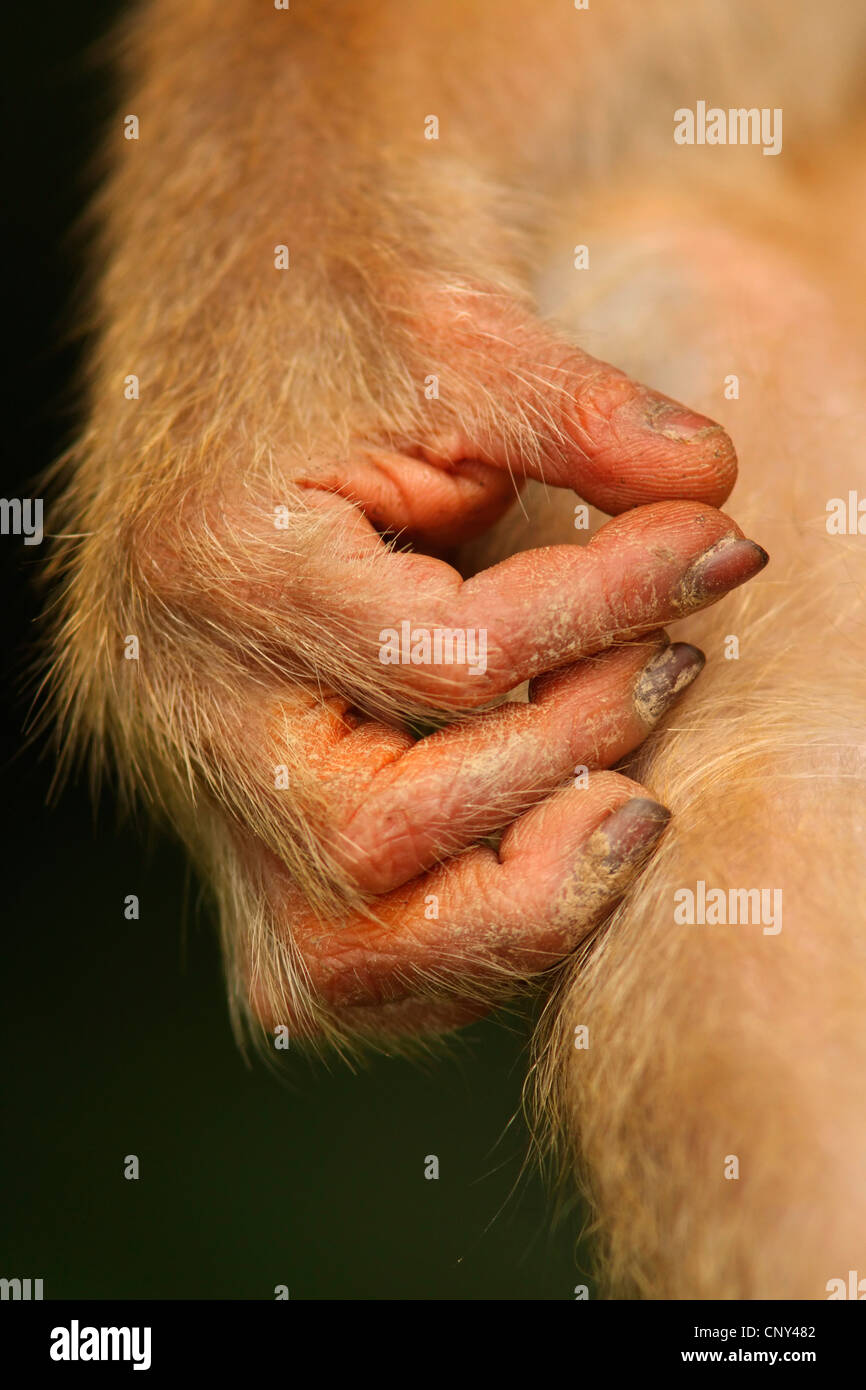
x=674 y=421
x=725 y=565
x=664 y=679
x=632 y=830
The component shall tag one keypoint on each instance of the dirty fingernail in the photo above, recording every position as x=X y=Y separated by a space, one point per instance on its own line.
x=633 y=829
x=674 y=421
x=725 y=565
x=664 y=679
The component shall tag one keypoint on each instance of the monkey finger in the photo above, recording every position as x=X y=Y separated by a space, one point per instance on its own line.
x=394 y=819
x=434 y=506
x=486 y=920
x=618 y=443
x=398 y=630
x=458 y=644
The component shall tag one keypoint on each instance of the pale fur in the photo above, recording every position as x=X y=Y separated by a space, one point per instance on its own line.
x=247 y=374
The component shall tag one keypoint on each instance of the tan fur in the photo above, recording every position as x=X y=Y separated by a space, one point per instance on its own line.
x=711 y=1040
x=315 y=139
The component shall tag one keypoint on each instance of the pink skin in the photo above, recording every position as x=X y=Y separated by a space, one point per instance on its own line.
x=400 y=808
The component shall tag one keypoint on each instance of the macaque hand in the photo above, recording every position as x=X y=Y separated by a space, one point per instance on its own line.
x=298 y=618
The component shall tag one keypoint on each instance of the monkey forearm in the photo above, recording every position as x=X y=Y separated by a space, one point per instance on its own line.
x=263 y=244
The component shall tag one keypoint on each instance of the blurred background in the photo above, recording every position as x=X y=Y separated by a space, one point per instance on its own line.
x=116 y=1033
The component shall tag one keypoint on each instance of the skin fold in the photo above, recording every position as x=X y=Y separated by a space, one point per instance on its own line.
x=370 y=390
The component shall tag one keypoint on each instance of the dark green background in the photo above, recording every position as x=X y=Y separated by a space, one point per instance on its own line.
x=116 y=1033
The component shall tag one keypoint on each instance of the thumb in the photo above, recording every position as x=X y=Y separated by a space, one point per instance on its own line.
x=529 y=401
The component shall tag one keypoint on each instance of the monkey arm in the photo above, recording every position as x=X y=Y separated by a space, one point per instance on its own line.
x=297 y=359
